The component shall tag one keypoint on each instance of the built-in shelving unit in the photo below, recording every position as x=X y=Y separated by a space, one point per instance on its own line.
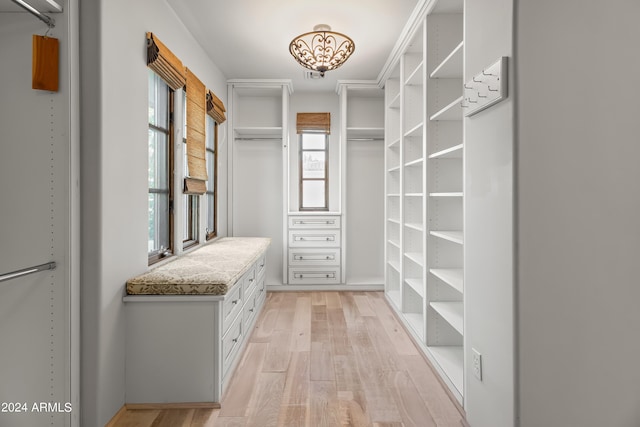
x=362 y=194
x=424 y=187
x=445 y=239
x=257 y=140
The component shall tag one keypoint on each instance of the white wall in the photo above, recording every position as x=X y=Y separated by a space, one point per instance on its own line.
x=578 y=212
x=114 y=177
x=489 y=237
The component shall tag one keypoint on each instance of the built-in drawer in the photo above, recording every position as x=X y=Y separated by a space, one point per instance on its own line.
x=314 y=256
x=314 y=238
x=248 y=282
x=231 y=342
x=261 y=264
x=231 y=305
x=314 y=275
x=250 y=309
x=328 y=221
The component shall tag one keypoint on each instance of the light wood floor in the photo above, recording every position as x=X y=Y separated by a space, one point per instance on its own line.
x=323 y=359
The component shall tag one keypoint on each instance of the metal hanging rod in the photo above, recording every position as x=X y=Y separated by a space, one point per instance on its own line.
x=258 y=139
x=35 y=12
x=25 y=271
x=365 y=139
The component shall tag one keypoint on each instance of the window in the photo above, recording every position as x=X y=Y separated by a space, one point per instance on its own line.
x=190 y=202
x=211 y=194
x=160 y=203
x=314 y=181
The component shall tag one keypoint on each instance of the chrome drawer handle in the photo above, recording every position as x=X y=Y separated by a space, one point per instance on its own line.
x=251 y=310
x=235 y=301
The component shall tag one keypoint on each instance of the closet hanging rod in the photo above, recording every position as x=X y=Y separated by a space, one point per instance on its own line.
x=25 y=271
x=258 y=139
x=365 y=139
x=35 y=12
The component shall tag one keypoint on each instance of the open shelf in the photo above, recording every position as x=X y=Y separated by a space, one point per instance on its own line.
x=395 y=143
x=451 y=276
x=454 y=152
x=451 y=66
x=452 y=236
x=417 y=285
x=416 y=257
x=451 y=361
x=414 y=225
x=364 y=133
x=453 y=194
x=415 y=78
x=258 y=132
x=416 y=322
x=394 y=296
x=415 y=130
x=417 y=162
x=395 y=265
x=452 y=312
x=453 y=111
x=394 y=102
x=394 y=243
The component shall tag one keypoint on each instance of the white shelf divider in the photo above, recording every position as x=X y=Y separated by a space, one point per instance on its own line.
x=451 y=361
x=451 y=276
x=448 y=153
x=452 y=312
x=417 y=285
x=416 y=257
x=451 y=66
x=452 y=111
x=452 y=236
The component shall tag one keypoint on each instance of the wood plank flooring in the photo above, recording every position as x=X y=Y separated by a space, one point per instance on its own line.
x=322 y=359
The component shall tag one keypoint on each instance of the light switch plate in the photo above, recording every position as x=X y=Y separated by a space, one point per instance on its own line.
x=477 y=363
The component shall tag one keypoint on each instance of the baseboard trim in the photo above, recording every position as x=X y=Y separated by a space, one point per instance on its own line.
x=113 y=422
x=185 y=405
x=320 y=288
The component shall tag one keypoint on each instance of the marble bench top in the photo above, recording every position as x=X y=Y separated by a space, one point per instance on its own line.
x=209 y=270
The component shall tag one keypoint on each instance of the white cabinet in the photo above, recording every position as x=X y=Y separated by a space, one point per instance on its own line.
x=314 y=249
x=424 y=234
x=184 y=348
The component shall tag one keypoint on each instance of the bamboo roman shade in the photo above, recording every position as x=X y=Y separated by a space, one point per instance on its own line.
x=161 y=60
x=215 y=108
x=313 y=122
x=196 y=151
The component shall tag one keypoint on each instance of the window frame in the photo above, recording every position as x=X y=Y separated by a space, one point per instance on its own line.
x=161 y=253
x=301 y=178
x=212 y=172
x=191 y=208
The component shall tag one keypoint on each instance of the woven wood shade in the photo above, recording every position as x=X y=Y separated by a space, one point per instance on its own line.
x=196 y=152
x=161 y=60
x=215 y=108
x=313 y=122
x=44 y=66
x=194 y=186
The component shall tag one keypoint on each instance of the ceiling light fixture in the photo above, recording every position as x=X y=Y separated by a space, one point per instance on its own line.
x=322 y=49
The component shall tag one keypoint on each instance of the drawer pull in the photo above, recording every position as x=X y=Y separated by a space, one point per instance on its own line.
x=250 y=280
x=261 y=265
x=235 y=339
x=315 y=238
x=330 y=222
x=314 y=275
x=313 y=257
x=235 y=301
x=251 y=310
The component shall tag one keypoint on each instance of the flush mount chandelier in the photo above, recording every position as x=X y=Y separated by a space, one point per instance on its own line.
x=322 y=49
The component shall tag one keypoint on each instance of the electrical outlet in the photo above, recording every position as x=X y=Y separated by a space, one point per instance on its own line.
x=477 y=363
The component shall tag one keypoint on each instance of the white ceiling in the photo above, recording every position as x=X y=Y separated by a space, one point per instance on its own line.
x=250 y=38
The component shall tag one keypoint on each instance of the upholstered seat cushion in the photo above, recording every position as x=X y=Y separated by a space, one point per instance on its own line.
x=210 y=270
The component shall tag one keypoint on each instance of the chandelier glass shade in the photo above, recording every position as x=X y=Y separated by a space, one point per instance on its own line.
x=322 y=49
